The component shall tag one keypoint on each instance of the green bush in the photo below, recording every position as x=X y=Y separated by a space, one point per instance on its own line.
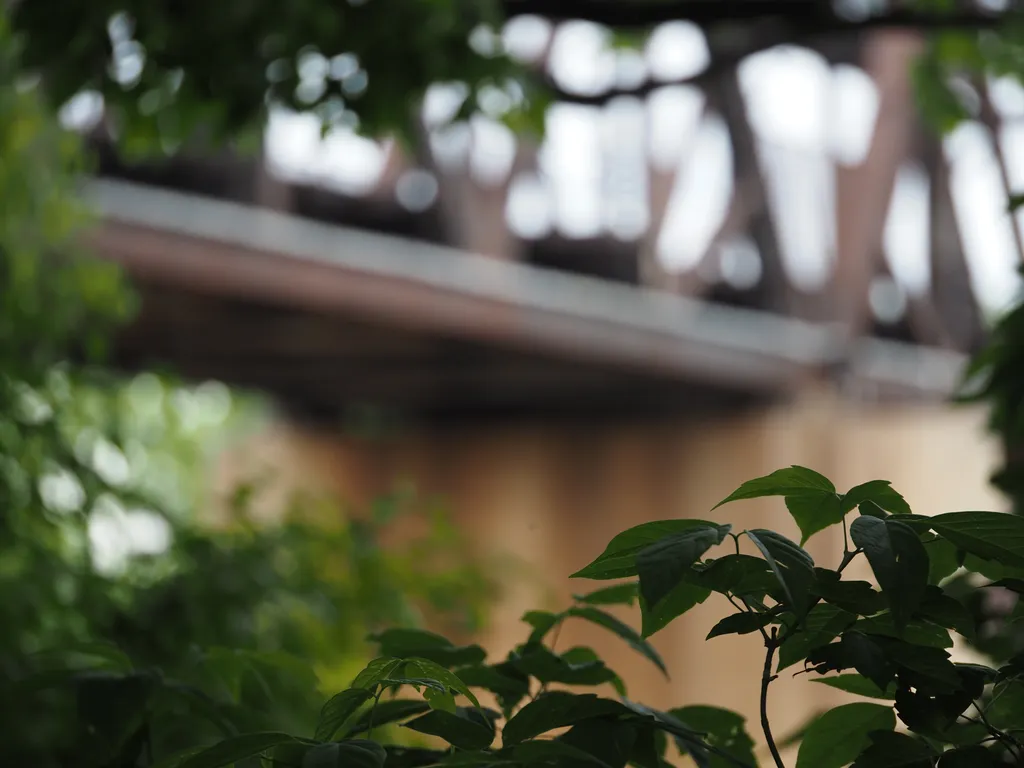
x=885 y=643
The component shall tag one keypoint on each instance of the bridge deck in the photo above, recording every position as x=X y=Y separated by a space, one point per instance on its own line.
x=327 y=316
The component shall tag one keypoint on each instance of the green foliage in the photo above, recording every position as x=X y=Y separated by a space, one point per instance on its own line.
x=870 y=641
x=194 y=637
x=168 y=81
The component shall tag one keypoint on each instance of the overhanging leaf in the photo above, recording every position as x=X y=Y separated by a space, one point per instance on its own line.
x=508 y=684
x=375 y=671
x=663 y=564
x=837 y=737
x=791 y=565
x=468 y=728
x=619 y=558
x=895 y=750
x=724 y=730
x=624 y=631
x=811 y=498
x=405 y=643
x=387 y=711
x=821 y=626
x=236 y=748
x=858 y=685
x=431 y=670
x=973 y=756
x=556 y=709
x=741 y=624
x=620 y=594
x=878 y=492
x=550 y=751
x=992 y=535
x=898 y=560
x=354 y=753
x=736 y=575
x=542 y=623
x=681 y=599
x=792 y=481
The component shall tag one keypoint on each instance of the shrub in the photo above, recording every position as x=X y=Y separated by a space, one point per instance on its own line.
x=886 y=642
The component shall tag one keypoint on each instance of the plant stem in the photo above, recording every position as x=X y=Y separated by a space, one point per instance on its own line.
x=766 y=677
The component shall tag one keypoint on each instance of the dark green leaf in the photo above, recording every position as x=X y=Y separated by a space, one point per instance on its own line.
x=681 y=599
x=433 y=671
x=792 y=481
x=551 y=752
x=619 y=558
x=736 y=574
x=946 y=611
x=724 y=730
x=620 y=594
x=991 y=535
x=468 y=728
x=605 y=738
x=931 y=666
x=508 y=684
x=865 y=655
x=405 y=643
x=814 y=511
x=792 y=566
x=898 y=560
x=688 y=740
x=375 y=671
x=1014 y=585
x=542 y=623
x=741 y=624
x=356 y=753
x=624 y=631
x=837 y=737
x=810 y=497
x=575 y=667
x=112 y=709
x=338 y=709
x=236 y=748
x=662 y=565
x=917 y=631
x=556 y=709
x=821 y=626
x=387 y=711
x=1006 y=710
x=440 y=700
x=879 y=492
x=857 y=684
x=854 y=596
x=974 y=756
x=943 y=559
x=895 y=750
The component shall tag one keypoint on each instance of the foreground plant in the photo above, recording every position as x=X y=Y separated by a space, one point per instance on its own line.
x=886 y=642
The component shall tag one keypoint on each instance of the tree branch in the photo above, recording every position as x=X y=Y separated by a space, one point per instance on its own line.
x=766 y=678
x=810 y=15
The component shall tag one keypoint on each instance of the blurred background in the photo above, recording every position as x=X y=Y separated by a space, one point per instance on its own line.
x=354 y=382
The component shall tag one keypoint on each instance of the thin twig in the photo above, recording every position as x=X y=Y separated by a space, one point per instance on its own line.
x=766 y=677
x=1004 y=738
